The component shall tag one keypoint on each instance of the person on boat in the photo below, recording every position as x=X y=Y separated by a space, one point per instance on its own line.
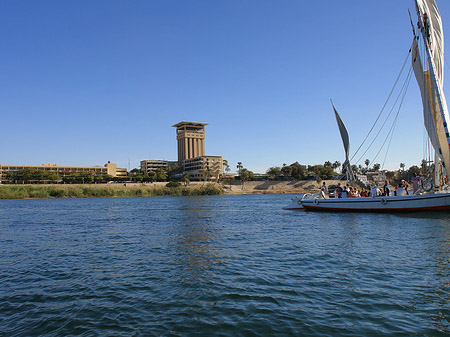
x=386 y=189
x=339 y=190
x=405 y=186
x=374 y=192
x=401 y=190
x=417 y=182
x=345 y=191
x=364 y=193
x=350 y=193
x=355 y=193
x=324 y=188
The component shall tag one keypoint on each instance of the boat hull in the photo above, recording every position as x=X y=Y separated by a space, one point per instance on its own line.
x=410 y=203
x=296 y=203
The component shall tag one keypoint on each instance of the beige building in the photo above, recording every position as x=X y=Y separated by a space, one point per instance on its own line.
x=204 y=167
x=66 y=171
x=152 y=165
x=190 y=140
x=191 y=152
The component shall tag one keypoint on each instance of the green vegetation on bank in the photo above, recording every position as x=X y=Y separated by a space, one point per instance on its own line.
x=100 y=191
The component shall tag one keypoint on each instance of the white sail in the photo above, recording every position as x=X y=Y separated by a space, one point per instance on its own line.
x=429 y=13
x=431 y=79
x=430 y=114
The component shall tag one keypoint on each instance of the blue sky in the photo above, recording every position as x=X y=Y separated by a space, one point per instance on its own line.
x=84 y=82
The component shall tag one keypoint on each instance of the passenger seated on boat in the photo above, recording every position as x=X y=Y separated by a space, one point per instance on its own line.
x=350 y=193
x=345 y=192
x=353 y=193
x=401 y=190
x=339 y=190
x=364 y=193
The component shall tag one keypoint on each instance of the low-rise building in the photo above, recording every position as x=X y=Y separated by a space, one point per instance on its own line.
x=152 y=165
x=377 y=177
x=65 y=171
x=204 y=168
x=363 y=179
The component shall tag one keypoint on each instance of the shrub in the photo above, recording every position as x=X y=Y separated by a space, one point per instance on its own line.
x=173 y=184
x=57 y=192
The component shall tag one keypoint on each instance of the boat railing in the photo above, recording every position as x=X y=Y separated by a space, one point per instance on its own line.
x=318 y=195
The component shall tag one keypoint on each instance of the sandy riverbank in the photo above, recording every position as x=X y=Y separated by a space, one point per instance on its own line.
x=256 y=187
x=249 y=187
x=273 y=187
x=155 y=189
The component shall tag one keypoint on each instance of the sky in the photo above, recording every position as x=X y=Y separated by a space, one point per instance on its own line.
x=89 y=81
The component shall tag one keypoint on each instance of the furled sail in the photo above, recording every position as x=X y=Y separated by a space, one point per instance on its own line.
x=346 y=142
x=430 y=78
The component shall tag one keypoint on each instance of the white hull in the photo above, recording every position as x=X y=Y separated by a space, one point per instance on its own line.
x=295 y=203
x=410 y=203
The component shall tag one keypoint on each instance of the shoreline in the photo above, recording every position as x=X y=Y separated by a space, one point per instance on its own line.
x=55 y=191
x=274 y=187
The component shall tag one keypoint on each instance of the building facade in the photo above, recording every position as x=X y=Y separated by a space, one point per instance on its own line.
x=152 y=165
x=204 y=168
x=65 y=171
x=190 y=140
x=191 y=152
x=377 y=177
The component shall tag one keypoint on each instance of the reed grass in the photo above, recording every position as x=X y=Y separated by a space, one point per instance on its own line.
x=102 y=191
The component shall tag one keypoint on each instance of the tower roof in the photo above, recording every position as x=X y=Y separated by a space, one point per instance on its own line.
x=192 y=124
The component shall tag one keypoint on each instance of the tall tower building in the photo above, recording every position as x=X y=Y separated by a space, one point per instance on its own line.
x=191 y=140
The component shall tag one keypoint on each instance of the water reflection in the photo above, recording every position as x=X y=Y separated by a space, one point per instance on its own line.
x=441 y=292
x=195 y=234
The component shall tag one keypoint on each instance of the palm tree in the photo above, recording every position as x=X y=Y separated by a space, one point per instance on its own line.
x=185 y=178
x=336 y=164
x=239 y=167
x=402 y=166
x=226 y=166
x=208 y=174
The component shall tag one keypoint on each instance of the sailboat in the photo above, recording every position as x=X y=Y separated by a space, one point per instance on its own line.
x=429 y=76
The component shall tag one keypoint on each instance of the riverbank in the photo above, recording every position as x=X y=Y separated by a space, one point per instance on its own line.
x=104 y=190
x=155 y=189
x=274 y=187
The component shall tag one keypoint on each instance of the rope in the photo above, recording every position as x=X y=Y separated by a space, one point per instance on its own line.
x=382 y=109
x=394 y=123
x=404 y=89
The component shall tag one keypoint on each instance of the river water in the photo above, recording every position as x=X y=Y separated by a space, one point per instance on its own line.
x=219 y=266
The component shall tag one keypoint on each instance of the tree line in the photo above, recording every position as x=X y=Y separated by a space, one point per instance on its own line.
x=295 y=171
x=330 y=170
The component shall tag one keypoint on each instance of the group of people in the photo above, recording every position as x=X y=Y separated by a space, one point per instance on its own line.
x=348 y=191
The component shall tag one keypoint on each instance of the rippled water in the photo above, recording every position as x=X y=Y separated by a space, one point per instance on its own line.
x=219 y=266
